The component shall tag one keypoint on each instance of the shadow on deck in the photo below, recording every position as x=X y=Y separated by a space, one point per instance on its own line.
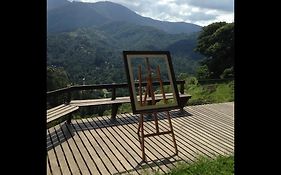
x=101 y=145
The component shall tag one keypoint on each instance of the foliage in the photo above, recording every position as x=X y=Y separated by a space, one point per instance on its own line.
x=222 y=165
x=227 y=73
x=56 y=78
x=203 y=72
x=96 y=53
x=209 y=93
x=216 y=42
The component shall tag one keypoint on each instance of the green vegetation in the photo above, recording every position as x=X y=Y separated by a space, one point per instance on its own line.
x=222 y=165
x=218 y=92
x=56 y=78
x=209 y=93
x=96 y=53
x=216 y=43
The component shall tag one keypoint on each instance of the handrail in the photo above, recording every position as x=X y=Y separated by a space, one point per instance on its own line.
x=105 y=86
x=206 y=81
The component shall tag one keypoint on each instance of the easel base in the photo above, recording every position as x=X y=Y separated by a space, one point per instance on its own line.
x=141 y=134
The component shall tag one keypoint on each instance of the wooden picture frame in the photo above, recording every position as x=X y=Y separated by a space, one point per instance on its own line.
x=146 y=71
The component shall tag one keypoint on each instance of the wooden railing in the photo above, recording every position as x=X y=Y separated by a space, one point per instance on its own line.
x=213 y=81
x=66 y=93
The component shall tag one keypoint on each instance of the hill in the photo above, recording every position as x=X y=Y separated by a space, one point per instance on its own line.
x=97 y=51
x=66 y=16
x=87 y=40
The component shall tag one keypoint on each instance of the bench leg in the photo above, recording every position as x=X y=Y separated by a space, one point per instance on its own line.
x=183 y=103
x=114 y=110
x=69 y=120
x=181 y=109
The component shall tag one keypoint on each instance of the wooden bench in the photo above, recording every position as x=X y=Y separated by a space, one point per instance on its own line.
x=122 y=100
x=71 y=105
x=57 y=112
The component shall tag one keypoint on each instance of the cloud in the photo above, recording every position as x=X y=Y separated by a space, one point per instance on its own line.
x=221 y=5
x=200 y=12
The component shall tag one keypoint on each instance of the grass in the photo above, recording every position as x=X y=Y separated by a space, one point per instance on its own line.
x=222 y=165
x=210 y=93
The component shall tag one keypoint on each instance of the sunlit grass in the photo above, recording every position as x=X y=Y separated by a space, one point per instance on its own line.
x=210 y=93
x=222 y=165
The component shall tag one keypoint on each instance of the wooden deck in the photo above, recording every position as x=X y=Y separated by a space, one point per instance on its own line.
x=101 y=146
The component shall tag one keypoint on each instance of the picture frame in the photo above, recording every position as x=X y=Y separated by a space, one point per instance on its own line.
x=146 y=73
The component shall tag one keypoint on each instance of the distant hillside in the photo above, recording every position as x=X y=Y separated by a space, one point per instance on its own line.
x=66 y=16
x=87 y=40
x=97 y=51
x=52 y=4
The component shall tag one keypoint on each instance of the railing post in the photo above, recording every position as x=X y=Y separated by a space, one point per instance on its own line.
x=182 y=87
x=113 y=96
x=68 y=97
x=114 y=107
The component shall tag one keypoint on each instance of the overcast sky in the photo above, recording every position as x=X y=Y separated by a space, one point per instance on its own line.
x=200 y=12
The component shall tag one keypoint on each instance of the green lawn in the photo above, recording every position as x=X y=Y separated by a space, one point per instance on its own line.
x=222 y=165
x=210 y=93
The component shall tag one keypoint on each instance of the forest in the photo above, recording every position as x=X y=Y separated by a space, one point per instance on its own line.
x=91 y=56
x=96 y=57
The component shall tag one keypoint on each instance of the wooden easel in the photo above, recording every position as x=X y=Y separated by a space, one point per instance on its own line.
x=149 y=92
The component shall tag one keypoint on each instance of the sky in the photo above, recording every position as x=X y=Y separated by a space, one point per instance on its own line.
x=200 y=12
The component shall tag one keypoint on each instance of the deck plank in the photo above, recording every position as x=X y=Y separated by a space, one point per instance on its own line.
x=153 y=161
x=54 y=163
x=132 y=143
x=152 y=145
x=101 y=146
x=87 y=151
x=203 y=131
x=49 y=171
x=110 y=148
x=60 y=153
x=127 y=148
x=216 y=115
x=76 y=147
x=218 y=131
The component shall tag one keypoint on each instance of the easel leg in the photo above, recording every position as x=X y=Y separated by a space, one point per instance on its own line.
x=142 y=137
x=172 y=131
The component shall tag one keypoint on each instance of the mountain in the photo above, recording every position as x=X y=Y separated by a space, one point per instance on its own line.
x=52 y=4
x=67 y=16
x=94 y=51
x=87 y=39
x=73 y=16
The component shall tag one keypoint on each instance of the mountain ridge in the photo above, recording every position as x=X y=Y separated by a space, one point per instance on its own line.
x=72 y=15
x=88 y=43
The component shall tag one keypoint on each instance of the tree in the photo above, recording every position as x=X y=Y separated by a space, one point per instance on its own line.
x=216 y=42
x=228 y=73
x=56 y=78
x=203 y=72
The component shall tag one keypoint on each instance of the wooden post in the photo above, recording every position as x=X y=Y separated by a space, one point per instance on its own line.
x=113 y=94
x=182 y=88
x=114 y=110
x=114 y=107
x=68 y=98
